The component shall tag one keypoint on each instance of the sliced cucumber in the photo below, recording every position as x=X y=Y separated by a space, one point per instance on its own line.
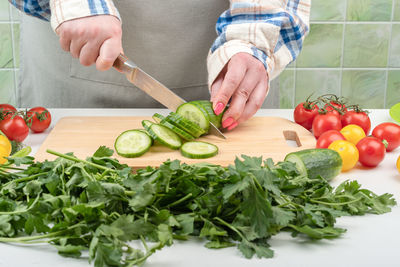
x=185 y=135
x=207 y=107
x=198 y=150
x=162 y=134
x=132 y=143
x=314 y=162
x=158 y=117
x=185 y=124
x=194 y=114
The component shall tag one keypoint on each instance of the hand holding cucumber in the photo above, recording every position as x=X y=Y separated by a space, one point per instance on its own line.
x=243 y=82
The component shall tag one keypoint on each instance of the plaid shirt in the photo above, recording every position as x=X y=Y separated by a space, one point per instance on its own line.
x=271 y=30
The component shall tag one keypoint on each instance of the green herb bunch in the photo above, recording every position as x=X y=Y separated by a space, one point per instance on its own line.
x=100 y=205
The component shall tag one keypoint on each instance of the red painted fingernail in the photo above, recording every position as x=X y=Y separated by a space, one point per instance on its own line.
x=218 y=108
x=226 y=123
x=233 y=126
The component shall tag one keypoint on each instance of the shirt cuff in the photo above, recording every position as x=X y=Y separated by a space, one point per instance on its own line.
x=217 y=60
x=64 y=10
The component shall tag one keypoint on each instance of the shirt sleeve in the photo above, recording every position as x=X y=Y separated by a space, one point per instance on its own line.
x=271 y=30
x=64 y=10
x=39 y=9
x=58 y=11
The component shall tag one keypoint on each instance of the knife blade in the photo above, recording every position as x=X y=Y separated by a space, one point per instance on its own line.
x=154 y=88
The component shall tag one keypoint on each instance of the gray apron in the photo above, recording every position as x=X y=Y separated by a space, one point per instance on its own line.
x=167 y=39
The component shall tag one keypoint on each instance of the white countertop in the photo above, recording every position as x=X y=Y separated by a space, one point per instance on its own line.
x=370 y=240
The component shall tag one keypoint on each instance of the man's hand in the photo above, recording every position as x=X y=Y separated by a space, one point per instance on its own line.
x=244 y=81
x=95 y=39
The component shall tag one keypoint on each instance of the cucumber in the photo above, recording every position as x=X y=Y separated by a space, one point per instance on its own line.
x=185 y=135
x=158 y=117
x=194 y=114
x=184 y=124
x=207 y=107
x=198 y=150
x=318 y=161
x=132 y=143
x=162 y=134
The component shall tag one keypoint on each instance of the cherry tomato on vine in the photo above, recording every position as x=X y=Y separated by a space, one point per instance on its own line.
x=359 y=118
x=353 y=133
x=325 y=122
x=328 y=137
x=304 y=114
x=14 y=128
x=39 y=119
x=347 y=151
x=7 y=108
x=390 y=132
x=372 y=151
x=333 y=107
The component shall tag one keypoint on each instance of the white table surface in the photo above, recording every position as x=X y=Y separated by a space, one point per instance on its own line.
x=370 y=240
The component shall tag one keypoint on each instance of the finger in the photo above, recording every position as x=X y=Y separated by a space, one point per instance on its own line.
x=89 y=53
x=65 y=41
x=240 y=98
x=255 y=101
x=109 y=51
x=235 y=72
x=216 y=86
x=76 y=46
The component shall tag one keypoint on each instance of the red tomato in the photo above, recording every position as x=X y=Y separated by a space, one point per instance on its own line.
x=305 y=113
x=325 y=122
x=7 y=108
x=371 y=150
x=358 y=118
x=38 y=119
x=334 y=106
x=328 y=137
x=14 y=128
x=390 y=132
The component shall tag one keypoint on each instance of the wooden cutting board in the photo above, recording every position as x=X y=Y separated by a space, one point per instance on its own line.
x=259 y=136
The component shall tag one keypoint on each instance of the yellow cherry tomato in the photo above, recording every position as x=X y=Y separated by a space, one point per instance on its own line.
x=3 y=153
x=398 y=164
x=5 y=143
x=353 y=133
x=347 y=151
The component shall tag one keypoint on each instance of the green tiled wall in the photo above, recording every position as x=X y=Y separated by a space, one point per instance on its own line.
x=353 y=50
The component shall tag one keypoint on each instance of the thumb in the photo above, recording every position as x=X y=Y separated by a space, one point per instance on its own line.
x=109 y=51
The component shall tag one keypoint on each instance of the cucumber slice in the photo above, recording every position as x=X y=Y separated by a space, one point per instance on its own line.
x=207 y=107
x=198 y=150
x=184 y=124
x=162 y=134
x=185 y=135
x=158 y=117
x=194 y=114
x=132 y=143
x=314 y=162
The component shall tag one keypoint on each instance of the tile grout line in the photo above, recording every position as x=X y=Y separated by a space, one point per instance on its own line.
x=13 y=51
x=294 y=84
x=388 y=57
x=342 y=53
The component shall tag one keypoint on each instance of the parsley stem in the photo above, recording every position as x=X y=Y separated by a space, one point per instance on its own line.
x=11 y=168
x=144 y=243
x=180 y=200
x=335 y=204
x=230 y=227
x=24 y=179
x=148 y=254
x=79 y=160
x=26 y=239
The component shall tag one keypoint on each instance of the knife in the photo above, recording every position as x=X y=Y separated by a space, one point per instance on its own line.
x=153 y=88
